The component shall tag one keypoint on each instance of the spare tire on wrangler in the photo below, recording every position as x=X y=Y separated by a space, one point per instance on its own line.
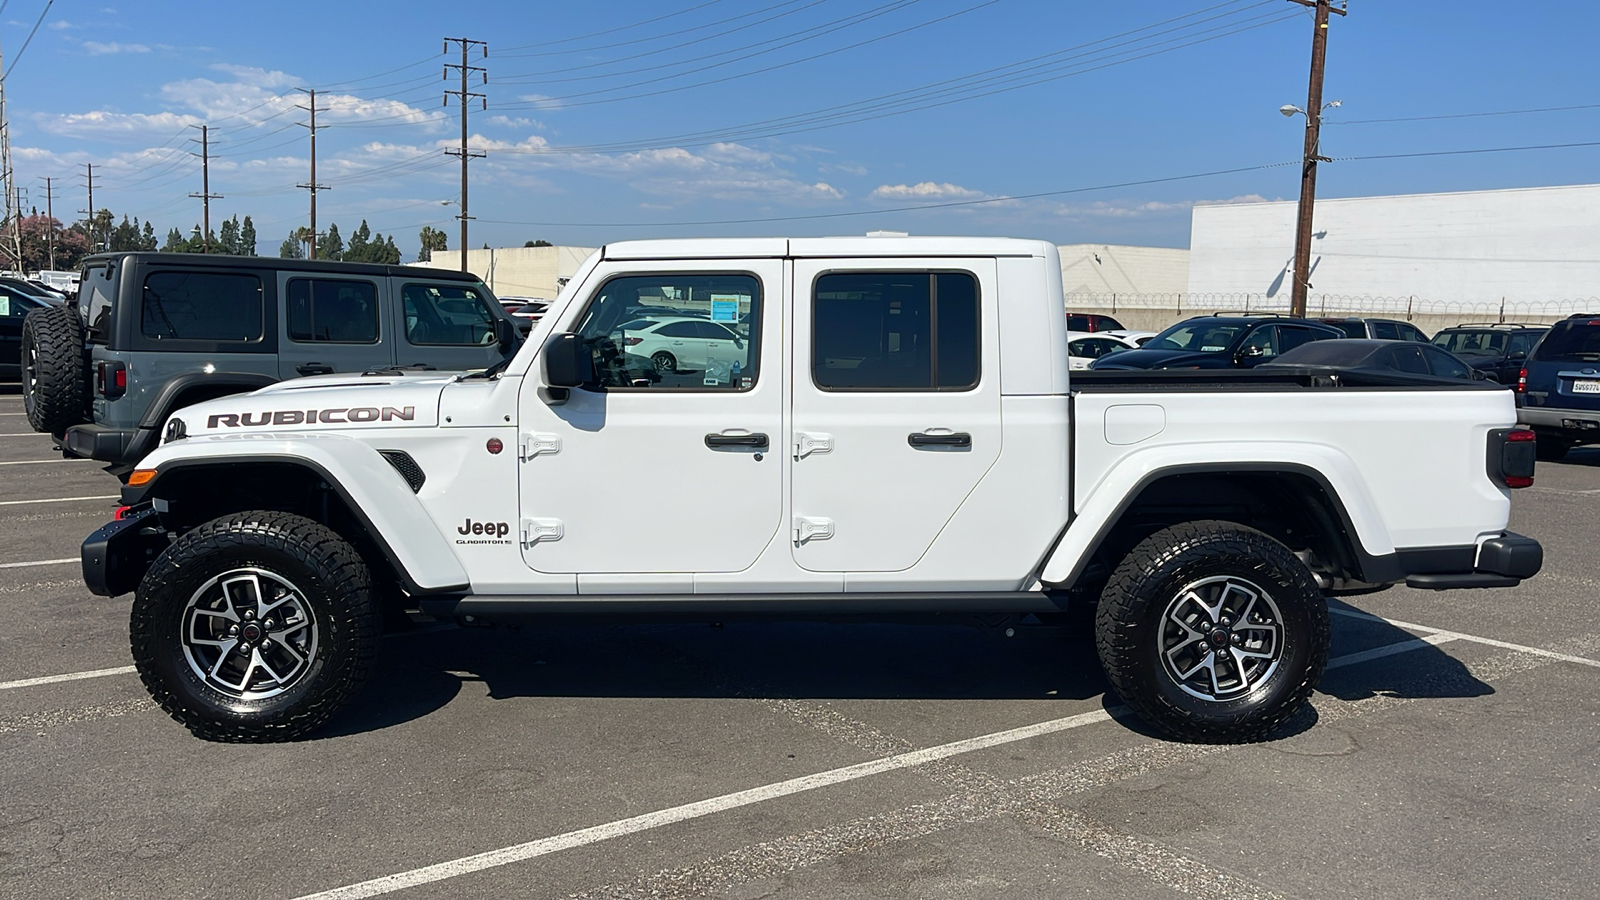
x=55 y=390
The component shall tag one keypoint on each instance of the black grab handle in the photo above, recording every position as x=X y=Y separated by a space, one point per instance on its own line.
x=756 y=441
x=959 y=439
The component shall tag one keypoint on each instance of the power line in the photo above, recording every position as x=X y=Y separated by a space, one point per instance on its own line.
x=35 y=30
x=1472 y=115
x=619 y=28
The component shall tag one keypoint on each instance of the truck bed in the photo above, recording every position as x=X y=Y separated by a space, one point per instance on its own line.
x=1274 y=378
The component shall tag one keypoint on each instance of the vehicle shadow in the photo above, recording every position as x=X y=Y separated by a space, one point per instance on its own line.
x=1588 y=456
x=421 y=672
x=10 y=388
x=1423 y=671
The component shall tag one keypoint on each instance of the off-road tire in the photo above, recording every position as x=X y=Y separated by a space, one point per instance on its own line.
x=337 y=590
x=55 y=388
x=1146 y=587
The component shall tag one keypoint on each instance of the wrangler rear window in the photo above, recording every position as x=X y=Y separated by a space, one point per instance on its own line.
x=202 y=306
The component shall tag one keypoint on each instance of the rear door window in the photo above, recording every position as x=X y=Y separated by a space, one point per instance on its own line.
x=1444 y=364
x=1292 y=336
x=895 y=331
x=1408 y=359
x=325 y=310
x=1385 y=331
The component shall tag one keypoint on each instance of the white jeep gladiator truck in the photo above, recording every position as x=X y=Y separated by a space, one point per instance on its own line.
x=801 y=428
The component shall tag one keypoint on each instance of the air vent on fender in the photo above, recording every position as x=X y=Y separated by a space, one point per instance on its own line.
x=407 y=467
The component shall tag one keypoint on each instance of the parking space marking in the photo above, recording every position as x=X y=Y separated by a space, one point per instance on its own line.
x=40 y=562
x=622 y=827
x=1432 y=640
x=70 y=676
x=1551 y=490
x=40 y=462
x=1472 y=638
x=56 y=500
x=24 y=434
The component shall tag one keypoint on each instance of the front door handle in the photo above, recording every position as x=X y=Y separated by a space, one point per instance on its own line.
x=958 y=439
x=314 y=368
x=753 y=441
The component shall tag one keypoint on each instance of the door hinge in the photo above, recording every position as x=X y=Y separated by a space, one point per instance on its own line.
x=810 y=528
x=536 y=530
x=535 y=444
x=807 y=443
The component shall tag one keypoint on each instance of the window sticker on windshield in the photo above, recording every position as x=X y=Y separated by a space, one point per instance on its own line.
x=1212 y=349
x=725 y=307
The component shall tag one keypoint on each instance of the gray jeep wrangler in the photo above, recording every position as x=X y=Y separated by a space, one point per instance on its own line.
x=154 y=332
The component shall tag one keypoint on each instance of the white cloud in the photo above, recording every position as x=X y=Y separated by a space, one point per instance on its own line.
x=514 y=122
x=540 y=101
x=96 y=48
x=925 y=191
x=103 y=123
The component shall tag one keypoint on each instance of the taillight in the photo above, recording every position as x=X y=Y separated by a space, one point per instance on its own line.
x=1511 y=456
x=630 y=341
x=1522 y=381
x=110 y=379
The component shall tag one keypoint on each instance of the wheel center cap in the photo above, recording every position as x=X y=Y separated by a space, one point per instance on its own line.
x=1218 y=638
x=251 y=633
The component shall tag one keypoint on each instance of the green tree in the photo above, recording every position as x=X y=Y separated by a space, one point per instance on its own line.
x=360 y=244
x=538 y=243
x=228 y=241
x=433 y=241
x=147 y=238
x=175 y=242
x=294 y=246
x=331 y=246
x=247 y=238
x=39 y=234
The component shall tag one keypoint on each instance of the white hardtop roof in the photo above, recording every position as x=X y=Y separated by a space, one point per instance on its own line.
x=859 y=246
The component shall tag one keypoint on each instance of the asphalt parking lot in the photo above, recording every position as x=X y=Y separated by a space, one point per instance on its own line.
x=1453 y=751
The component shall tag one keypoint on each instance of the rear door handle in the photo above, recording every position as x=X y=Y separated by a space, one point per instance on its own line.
x=754 y=441
x=314 y=368
x=922 y=439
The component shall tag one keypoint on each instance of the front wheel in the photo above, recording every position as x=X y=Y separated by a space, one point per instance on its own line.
x=664 y=362
x=255 y=627
x=1212 y=631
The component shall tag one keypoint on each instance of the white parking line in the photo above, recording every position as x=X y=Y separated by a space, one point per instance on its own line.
x=56 y=500
x=596 y=834
x=25 y=434
x=40 y=562
x=1472 y=638
x=71 y=676
x=40 y=462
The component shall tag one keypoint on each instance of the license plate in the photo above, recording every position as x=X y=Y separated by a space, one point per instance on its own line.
x=1586 y=386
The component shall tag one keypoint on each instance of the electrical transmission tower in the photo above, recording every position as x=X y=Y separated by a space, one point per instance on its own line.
x=464 y=96
x=312 y=185
x=13 y=217
x=205 y=196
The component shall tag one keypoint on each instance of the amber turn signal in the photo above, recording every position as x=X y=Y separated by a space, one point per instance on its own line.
x=141 y=476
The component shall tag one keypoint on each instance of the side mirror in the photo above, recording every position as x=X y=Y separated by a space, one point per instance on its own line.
x=1252 y=352
x=1478 y=375
x=505 y=334
x=1517 y=354
x=567 y=362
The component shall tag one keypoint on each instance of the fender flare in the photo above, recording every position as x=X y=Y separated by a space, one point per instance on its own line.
x=163 y=404
x=1334 y=472
x=371 y=488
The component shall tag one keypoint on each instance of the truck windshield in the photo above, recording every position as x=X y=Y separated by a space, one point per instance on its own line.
x=1205 y=337
x=1575 y=340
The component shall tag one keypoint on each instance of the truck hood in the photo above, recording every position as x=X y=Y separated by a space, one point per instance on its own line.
x=323 y=403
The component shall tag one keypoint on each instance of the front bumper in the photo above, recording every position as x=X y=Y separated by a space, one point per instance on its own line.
x=117 y=555
x=1502 y=561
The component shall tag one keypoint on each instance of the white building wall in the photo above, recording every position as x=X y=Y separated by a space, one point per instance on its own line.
x=1110 y=268
x=1529 y=247
x=518 y=271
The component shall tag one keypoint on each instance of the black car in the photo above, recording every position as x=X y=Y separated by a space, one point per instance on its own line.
x=1401 y=362
x=14 y=307
x=1220 y=342
x=1495 y=348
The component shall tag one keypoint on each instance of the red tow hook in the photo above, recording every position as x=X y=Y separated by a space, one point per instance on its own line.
x=122 y=511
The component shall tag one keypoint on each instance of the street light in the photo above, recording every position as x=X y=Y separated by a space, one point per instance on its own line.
x=463 y=217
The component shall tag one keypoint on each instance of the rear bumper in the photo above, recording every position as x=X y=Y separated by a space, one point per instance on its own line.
x=1502 y=561
x=1575 y=422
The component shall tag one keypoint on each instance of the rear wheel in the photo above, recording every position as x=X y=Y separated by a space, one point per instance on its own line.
x=254 y=627
x=1212 y=631
x=664 y=362
x=55 y=391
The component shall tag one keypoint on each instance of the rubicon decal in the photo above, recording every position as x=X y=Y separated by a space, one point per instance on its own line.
x=488 y=532
x=357 y=415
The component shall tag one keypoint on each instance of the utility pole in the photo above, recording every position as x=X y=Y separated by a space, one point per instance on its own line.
x=205 y=194
x=1312 y=155
x=50 y=221
x=13 y=215
x=94 y=239
x=312 y=186
x=465 y=96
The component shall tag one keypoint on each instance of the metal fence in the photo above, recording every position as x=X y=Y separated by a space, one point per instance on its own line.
x=1408 y=308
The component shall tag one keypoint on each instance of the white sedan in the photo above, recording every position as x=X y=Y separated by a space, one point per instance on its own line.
x=1084 y=347
x=683 y=343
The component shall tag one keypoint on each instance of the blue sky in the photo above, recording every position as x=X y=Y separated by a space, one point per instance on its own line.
x=689 y=118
